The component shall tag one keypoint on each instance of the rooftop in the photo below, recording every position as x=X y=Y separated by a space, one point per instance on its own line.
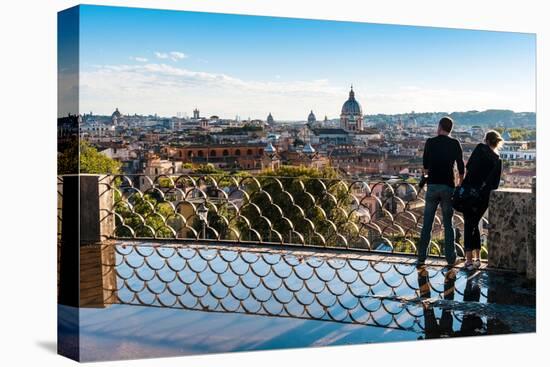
x=330 y=131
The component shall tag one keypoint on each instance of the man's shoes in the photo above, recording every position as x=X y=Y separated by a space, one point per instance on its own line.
x=453 y=263
x=469 y=265
x=476 y=263
x=450 y=273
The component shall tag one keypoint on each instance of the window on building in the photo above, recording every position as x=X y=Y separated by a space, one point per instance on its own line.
x=225 y=153
x=200 y=153
x=249 y=152
x=238 y=152
x=212 y=153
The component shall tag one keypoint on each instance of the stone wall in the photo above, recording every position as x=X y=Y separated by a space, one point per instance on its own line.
x=512 y=236
x=85 y=258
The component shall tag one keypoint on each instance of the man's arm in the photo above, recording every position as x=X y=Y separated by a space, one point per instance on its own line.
x=426 y=157
x=460 y=163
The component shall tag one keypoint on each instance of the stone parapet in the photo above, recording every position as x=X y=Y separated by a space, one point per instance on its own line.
x=512 y=232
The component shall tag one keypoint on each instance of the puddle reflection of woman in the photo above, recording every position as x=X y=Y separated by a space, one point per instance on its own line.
x=472 y=324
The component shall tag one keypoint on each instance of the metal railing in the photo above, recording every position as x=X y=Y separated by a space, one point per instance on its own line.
x=382 y=216
x=229 y=263
x=303 y=285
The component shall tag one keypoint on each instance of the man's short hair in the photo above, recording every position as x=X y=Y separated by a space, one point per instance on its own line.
x=446 y=124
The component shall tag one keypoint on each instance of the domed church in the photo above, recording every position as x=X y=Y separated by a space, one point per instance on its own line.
x=351 y=118
x=116 y=117
x=270 y=121
x=311 y=119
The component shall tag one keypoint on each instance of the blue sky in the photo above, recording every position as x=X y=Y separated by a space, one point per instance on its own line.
x=165 y=62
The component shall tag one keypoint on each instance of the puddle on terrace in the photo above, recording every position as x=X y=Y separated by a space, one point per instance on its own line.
x=196 y=299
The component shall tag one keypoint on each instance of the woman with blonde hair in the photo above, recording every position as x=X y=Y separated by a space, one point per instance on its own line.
x=483 y=172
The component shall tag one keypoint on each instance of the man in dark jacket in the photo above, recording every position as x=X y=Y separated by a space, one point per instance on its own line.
x=440 y=155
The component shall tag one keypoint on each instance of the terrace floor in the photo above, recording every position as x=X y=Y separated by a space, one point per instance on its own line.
x=181 y=299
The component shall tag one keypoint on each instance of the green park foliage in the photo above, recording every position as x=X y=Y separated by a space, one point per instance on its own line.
x=519 y=134
x=314 y=202
x=89 y=160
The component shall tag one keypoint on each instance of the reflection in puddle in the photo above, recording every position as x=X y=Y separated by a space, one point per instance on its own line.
x=251 y=299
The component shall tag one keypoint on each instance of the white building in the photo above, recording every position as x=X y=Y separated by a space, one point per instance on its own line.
x=517 y=150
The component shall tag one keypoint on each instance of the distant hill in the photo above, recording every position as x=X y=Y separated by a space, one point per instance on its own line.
x=494 y=117
x=505 y=118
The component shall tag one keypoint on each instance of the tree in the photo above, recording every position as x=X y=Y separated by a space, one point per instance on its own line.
x=207 y=169
x=518 y=134
x=293 y=201
x=91 y=161
x=81 y=157
x=67 y=160
x=146 y=219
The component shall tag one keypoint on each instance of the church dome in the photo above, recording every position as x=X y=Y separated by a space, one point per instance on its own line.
x=311 y=118
x=270 y=119
x=116 y=114
x=351 y=106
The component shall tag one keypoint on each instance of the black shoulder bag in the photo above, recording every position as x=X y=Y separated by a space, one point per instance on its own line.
x=466 y=197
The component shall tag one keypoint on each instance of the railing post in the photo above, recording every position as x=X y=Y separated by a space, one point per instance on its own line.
x=511 y=238
x=86 y=258
x=106 y=202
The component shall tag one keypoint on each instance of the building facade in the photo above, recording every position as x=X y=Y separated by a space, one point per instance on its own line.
x=237 y=156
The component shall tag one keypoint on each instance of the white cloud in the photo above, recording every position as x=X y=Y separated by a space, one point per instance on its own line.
x=138 y=58
x=68 y=88
x=166 y=89
x=173 y=55
x=161 y=55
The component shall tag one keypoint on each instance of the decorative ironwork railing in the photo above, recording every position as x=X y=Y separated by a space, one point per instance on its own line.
x=343 y=288
x=321 y=212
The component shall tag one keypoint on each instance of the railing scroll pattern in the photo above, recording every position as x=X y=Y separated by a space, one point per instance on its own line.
x=333 y=213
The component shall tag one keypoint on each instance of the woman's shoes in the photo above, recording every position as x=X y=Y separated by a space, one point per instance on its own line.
x=472 y=264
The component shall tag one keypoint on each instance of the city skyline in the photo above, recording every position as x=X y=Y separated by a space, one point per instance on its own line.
x=154 y=61
x=189 y=115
